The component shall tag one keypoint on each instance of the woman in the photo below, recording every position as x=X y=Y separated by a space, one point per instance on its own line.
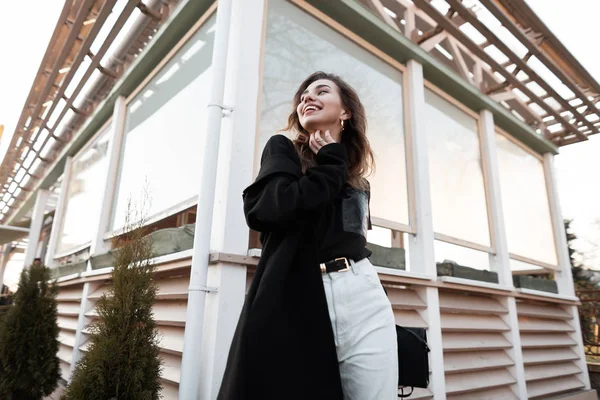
x=316 y=323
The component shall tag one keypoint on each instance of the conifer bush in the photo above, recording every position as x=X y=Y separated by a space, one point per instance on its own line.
x=29 y=366
x=123 y=361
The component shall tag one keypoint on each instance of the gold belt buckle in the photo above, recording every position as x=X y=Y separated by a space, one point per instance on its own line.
x=324 y=268
x=346 y=262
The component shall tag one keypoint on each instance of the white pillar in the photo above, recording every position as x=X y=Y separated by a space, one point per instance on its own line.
x=4 y=258
x=191 y=362
x=235 y=168
x=98 y=245
x=500 y=262
x=422 y=258
x=563 y=277
x=37 y=219
x=59 y=214
x=82 y=321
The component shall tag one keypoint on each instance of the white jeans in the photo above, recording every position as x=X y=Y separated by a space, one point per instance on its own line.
x=365 y=333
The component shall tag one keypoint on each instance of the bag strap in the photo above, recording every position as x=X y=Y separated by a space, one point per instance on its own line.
x=402 y=395
x=417 y=336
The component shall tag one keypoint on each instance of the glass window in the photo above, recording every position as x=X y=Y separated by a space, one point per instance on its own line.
x=458 y=197
x=525 y=202
x=165 y=131
x=298 y=45
x=84 y=196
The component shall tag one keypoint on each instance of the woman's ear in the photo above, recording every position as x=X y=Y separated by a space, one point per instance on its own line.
x=345 y=115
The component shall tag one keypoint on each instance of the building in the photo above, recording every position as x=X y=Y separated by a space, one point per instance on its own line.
x=467 y=108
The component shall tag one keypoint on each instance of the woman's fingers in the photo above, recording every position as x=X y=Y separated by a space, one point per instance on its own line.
x=312 y=143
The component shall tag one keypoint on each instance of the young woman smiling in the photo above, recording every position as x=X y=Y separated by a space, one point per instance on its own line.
x=316 y=323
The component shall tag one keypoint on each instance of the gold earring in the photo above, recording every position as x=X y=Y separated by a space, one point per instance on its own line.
x=342 y=123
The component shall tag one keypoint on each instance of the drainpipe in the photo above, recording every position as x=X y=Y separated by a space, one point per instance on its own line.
x=189 y=386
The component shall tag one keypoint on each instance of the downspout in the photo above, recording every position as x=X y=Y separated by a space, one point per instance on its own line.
x=189 y=386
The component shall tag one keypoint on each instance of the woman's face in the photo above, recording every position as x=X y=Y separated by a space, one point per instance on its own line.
x=321 y=107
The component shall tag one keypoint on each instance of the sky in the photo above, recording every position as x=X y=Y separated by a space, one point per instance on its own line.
x=577 y=165
x=26 y=27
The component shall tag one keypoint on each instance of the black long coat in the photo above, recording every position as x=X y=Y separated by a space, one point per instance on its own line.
x=283 y=347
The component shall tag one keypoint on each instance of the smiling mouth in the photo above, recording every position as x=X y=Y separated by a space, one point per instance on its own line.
x=310 y=110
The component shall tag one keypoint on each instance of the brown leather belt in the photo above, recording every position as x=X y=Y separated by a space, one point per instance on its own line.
x=338 y=265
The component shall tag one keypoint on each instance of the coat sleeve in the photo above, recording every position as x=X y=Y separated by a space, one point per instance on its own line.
x=282 y=197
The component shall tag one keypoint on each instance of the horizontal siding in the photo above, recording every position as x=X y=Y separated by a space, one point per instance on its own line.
x=475 y=343
x=548 y=342
x=169 y=314
x=68 y=300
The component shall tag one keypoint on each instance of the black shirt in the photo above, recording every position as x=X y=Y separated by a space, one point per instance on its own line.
x=342 y=228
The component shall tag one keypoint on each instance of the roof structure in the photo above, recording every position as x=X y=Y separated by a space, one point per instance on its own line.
x=92 y=45
x=506 y=51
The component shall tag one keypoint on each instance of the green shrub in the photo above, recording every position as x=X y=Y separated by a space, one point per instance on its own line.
x=29 y=366
x=123 y=360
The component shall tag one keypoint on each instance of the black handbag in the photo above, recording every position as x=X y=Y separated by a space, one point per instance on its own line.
x=413 y=359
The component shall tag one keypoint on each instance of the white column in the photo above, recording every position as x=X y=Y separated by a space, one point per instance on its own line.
x=422 y=258
x=37 y=219
x=564 y=276
x=193 y=375
x=98 y=245
x=59 y=214
x=234 y=172
x=500 y=262
x=82 y=322
x=576 y=335
x=4 y=257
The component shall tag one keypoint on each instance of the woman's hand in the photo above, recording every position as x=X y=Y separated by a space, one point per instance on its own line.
x=316 y=141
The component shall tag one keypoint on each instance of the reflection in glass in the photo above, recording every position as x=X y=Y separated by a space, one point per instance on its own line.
x=525 y=202
x=298 y=45
x=457 y=187
x=165 y=131
x=84 y=197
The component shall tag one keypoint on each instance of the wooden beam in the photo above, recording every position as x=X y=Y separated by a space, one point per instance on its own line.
x=457 y=33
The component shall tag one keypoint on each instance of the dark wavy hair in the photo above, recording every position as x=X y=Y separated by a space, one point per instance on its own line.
x=354 y=137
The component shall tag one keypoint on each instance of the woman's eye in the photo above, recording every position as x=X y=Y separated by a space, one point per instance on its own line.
x=322 y=91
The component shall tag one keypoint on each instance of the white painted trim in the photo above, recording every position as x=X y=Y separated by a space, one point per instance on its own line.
x=396 y=226
x=541 y=293
x=433 y=318
x=421 y=244
x=463 y=243
x=5 y=250
x=177 y=208
x=576 y=335
x=500 y=261
x=531 y=261
x=564 y=276
x=72 y=250
x=516 y=352
x=99 y=246
x=69 y=277
x=59 y=214
x=37 y=220
x=403 y=273
x=81 y=322
x=94 y=272
x=472 y=282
